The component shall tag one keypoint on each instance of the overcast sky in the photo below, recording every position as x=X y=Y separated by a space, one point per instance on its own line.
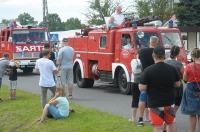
x=10 y=9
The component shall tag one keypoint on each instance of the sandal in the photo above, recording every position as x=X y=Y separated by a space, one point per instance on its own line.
x=70 y=96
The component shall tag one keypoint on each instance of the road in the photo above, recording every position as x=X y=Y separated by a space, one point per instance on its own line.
x=102 y=97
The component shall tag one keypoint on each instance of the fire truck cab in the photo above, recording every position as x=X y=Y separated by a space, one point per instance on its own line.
x=24 y=44
x=104 y=54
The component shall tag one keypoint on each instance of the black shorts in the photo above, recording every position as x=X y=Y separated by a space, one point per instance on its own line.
x=135 y=95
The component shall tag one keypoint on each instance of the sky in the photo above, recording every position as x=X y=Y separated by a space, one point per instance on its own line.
x=10 y=9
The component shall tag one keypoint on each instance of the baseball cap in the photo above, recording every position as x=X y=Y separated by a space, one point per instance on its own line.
x=159 y=50
x=65 y=40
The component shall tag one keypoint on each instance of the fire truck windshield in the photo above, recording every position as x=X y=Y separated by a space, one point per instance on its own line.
x=29 y=36
x=171 y=38
x=144 y=41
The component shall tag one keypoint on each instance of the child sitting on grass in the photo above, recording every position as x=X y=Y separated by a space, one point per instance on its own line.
x=58 y=106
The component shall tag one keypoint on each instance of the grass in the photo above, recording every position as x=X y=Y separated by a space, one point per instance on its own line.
x=21 y=116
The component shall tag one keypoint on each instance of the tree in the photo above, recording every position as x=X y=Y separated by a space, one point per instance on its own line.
x=159 y=8
x=98 y=9
x=72 y=23
x=26 y=19
x=187 y=13
x=6 y=21
x=54 y=23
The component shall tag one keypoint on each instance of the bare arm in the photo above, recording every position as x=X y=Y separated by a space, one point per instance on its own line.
x=111 y=20
x=185 y=76
x=142 y=87
x=53 y=101
x=58 y=62
x=37 y=71
x=178 y=84
x=57 y=70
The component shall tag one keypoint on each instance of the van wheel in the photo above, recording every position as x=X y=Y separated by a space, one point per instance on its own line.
x=122 y=81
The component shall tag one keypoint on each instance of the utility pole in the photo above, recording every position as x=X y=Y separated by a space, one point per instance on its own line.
x=45 y=11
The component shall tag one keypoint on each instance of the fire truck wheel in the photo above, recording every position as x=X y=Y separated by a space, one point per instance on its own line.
x=122 y=81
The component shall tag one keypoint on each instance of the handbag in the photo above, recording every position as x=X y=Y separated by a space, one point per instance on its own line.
x=58 y=82
x=137 y=73
x=196 y=94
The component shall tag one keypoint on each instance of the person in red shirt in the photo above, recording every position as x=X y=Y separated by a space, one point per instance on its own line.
x=191 y=97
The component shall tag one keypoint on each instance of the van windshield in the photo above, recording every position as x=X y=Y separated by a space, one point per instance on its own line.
x=29 y=36
x=171 y=38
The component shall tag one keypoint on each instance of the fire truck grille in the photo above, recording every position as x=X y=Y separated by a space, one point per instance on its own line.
x=26 y=55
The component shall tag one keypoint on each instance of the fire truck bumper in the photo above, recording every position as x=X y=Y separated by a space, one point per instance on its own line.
x=27 y=63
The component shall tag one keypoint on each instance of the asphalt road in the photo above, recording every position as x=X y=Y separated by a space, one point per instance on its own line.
x=102 y=97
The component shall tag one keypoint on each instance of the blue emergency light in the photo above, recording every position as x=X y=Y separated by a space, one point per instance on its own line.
x=12 y=25
x=170 y=23
x=43 y=25
x=134 y=24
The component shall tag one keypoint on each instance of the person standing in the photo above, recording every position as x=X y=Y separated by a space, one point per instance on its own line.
x=174 y=52
x=46 y=68
x=52 y=56
x=4 y=62
x=145 y=56
x=116 y=18
x=159 y=80
x=12 y=72
x=191 y=97
x=135 y=63
x=65 y=60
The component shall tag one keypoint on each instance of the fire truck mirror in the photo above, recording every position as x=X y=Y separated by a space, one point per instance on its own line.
x=10 y=39
x=140 y=34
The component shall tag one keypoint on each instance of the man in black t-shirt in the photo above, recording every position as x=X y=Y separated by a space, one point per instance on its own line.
x=158 y=80
x=52 y=57
x=145 y=56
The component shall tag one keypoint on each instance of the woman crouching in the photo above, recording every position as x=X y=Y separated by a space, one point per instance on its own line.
x=58 y=106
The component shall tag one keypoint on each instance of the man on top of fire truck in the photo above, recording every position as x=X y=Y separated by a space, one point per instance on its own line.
x=116 y=18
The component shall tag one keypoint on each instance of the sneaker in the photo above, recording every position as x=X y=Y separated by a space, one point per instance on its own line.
x=140 y=123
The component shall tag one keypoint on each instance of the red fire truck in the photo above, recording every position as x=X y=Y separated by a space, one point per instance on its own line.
x=23 y=44
x=103 y=54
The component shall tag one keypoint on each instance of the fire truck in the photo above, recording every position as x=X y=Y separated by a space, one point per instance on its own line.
x=102 y=54
x=23 y=43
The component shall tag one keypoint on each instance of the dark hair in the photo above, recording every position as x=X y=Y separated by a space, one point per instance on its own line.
x=195 y=53
x=46 y=46
x=6 y=55
x=174 y=51
x=46 y=52
x=65 y=40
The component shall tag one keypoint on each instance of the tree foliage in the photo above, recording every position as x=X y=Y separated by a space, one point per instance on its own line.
x=187 y=13
x=98 y=9
x=54 y=23
x=72 y=23
x=154 y=7
x=26 y=19
x=6 y=21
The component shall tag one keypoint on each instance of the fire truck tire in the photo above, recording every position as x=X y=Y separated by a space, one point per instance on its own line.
x=89 y=82
x=79 y=80
x=123 y=84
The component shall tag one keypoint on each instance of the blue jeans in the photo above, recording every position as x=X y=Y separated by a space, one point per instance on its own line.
x=53 y=110
x=143 y=96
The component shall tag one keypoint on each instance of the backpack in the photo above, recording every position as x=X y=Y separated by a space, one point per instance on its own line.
x=137 y=73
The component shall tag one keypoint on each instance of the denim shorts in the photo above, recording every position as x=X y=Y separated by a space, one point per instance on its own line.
x=53 y=110
x=143 y=96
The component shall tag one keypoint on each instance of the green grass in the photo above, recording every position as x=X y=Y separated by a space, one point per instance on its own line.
x=21 y=116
